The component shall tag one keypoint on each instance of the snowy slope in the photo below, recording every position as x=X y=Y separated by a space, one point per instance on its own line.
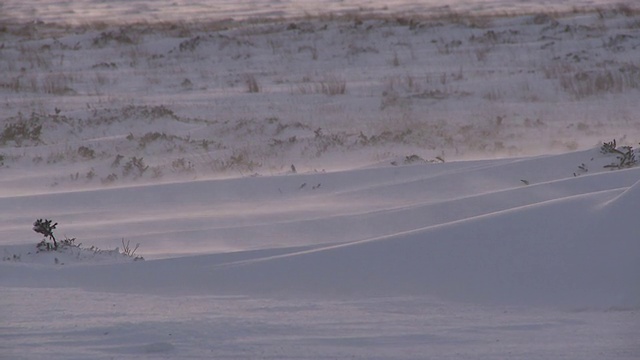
x=440 y=259
x=365 y=184
x=467 y=231
x=101 y=104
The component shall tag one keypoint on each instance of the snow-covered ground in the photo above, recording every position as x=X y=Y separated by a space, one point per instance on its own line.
x=83 y=11
x=356 y=181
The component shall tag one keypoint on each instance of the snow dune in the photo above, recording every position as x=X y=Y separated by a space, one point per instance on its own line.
x=467 y=231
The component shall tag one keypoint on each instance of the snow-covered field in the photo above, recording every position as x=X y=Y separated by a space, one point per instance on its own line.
x=345 y=181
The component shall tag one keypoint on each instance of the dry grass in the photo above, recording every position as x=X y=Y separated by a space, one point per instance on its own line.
x=481 y=19
x=252 y=83
x=333 y=85
x=584 y=84
x=21 y=83
x=329 y=85
x=58 y=84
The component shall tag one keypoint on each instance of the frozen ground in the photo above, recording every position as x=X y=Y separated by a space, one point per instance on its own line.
x=370 y=184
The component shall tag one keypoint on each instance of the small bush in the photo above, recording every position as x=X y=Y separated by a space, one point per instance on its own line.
x=333 y=86
x=20 y=132
x=190 y=45
x=127 y=250
x=58 y=84
x=120 y=37
x=182 y=165
x=582 y=84
x=135 y=166
x=86 y=152
x=608 y=147
x=330 y=85
x=625 y=154
x=411 y=159
x=252 y=84
x=44 y=227
x=109 y=179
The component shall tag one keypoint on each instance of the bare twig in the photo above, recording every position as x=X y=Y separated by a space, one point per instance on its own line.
x=126 y=249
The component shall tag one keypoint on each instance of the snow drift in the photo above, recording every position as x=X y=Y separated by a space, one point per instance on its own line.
x=469 y=231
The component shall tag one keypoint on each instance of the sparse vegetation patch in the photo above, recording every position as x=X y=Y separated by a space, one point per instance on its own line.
x=626 y=155
x=68 y=246
x=22 y=131
x=138 y=102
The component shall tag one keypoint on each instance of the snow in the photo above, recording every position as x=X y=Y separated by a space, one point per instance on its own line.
x=453 y=203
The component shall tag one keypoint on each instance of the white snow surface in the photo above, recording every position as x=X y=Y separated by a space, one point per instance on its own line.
x=452 y=201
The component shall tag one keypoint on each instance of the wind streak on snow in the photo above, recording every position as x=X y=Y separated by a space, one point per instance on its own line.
x=494 y=240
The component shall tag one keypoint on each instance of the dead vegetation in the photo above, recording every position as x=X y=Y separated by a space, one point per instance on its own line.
x=306 y=88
